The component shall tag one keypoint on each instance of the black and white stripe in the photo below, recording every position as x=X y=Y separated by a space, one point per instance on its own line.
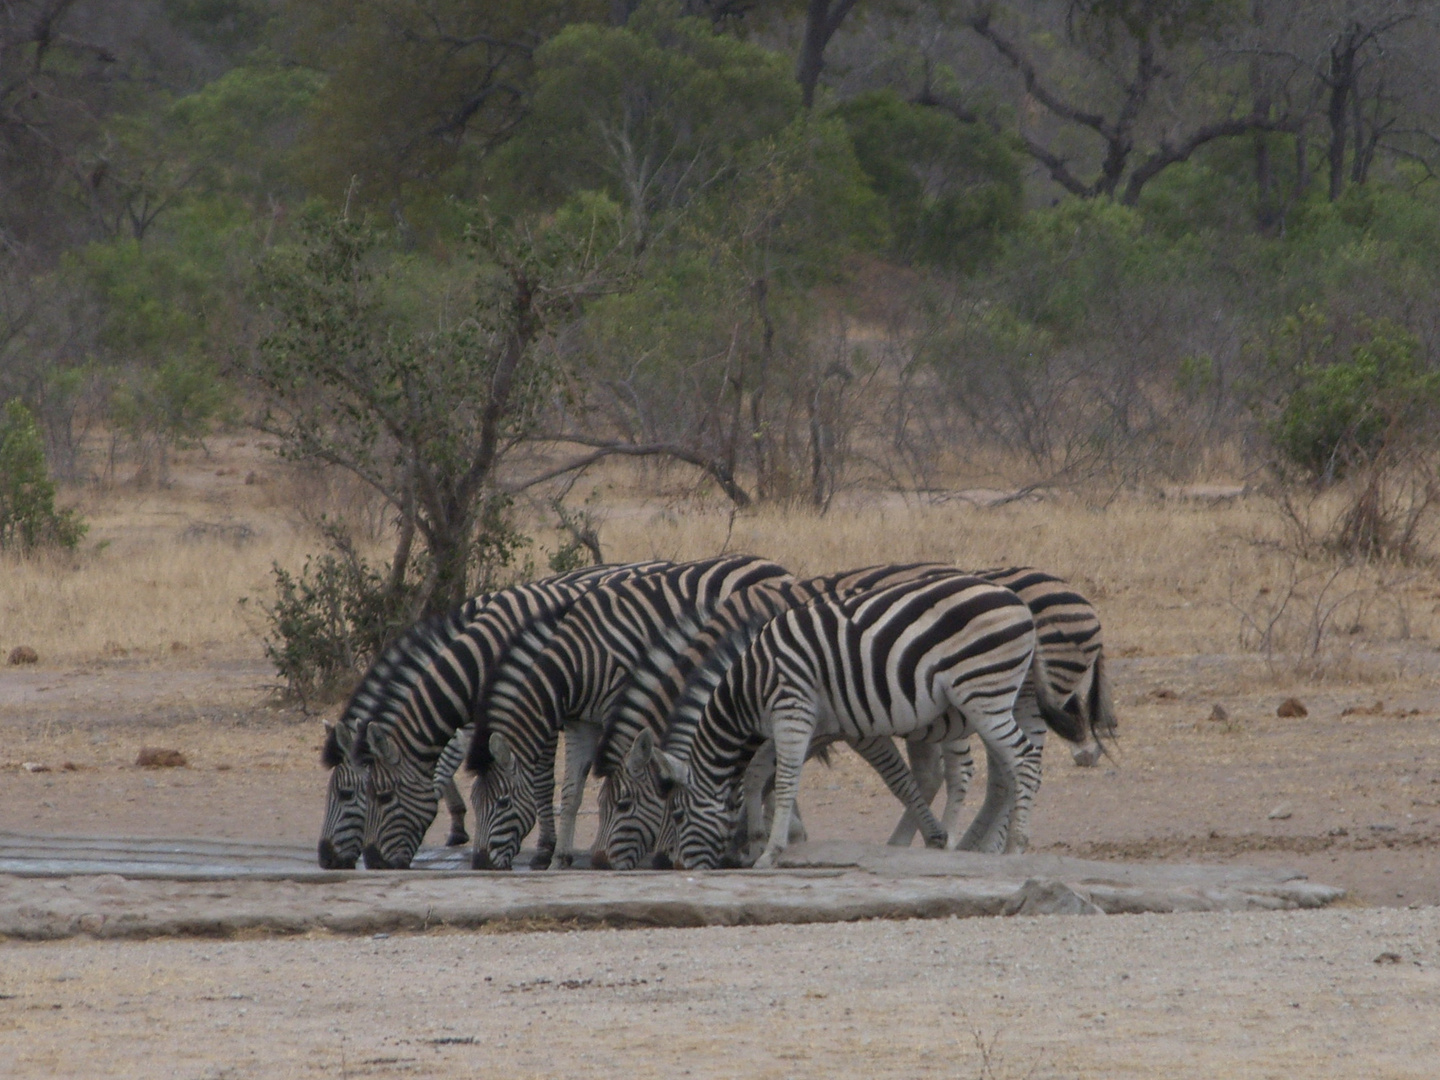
x=633 y=818
x=946 y=656
x=571 y=684
x=427 y=686
x=342 y=834
x=1070 y=641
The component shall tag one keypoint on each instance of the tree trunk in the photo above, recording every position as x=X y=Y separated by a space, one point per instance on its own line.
x=822 y=19
x=1342 y=84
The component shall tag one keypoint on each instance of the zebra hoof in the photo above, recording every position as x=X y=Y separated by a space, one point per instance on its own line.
x=459 y=838
x=564 y=862
x=661 y=861
x=939 y=841
x=541 y=861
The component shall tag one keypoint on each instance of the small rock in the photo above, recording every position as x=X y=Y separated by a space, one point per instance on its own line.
x=1383 y=828
x=1282 y=812
x=1291 y=708
x=154 y=757
x=1048 y=896
x=1164 y=693
x=23 y=654
x=1363 y=710
x=34 y=766
x=1339 y=830
x=1219 y=715
x=179 y=647
x=69 y=766
x=1388 y=958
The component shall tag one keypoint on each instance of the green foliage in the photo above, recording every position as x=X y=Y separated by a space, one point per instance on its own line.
x=328 y=622
x=654 y=113
x=951 y=189
x=28 y=518
x=1342 y=410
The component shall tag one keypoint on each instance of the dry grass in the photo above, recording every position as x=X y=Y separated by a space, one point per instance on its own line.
x=162 y=573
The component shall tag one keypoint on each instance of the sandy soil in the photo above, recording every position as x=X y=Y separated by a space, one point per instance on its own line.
x=1352 y=798
x=1338 y=993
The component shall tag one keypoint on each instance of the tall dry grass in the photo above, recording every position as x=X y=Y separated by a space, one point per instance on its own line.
x=1169 y=579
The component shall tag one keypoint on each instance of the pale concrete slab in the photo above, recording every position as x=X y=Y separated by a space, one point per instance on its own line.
x=120 y=889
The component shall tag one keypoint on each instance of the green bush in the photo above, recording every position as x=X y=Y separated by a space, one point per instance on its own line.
x=1342 y=410
x=28 y=518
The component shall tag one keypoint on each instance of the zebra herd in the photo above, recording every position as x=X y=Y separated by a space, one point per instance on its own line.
x=695 y=692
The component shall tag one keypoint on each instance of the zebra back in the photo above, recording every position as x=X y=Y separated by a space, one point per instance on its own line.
x=1068 y=631
x=599 y=643
x=427 y=685
x=646 y=700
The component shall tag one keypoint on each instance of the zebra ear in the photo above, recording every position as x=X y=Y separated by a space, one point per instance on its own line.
x=673 y=772
x=501 y=753
x=330 y=753
x=344 y=736
x=637 y=758
x=383 y=747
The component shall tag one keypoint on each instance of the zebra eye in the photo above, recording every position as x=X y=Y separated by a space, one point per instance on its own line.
x=677 y=815
x=624 y=805
x=502 y=803
x=385 y=798
x=345 y=793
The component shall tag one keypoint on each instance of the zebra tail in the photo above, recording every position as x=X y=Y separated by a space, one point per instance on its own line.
x=1060 y=717
x=1102 y=703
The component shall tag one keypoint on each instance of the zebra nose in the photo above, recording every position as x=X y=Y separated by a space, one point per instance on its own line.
x=374 y=860
x=599 y=860
x=330 y=858
x=480 y=859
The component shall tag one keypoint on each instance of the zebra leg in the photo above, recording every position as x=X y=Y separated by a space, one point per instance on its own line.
x=456 y=805
x=885 y=758
x=990 y=829
x=544 y=781
x=925 y=767
x=758 y=775
x=791 y=735
x=581 y=740
x=1015 y=761
x=959 y=768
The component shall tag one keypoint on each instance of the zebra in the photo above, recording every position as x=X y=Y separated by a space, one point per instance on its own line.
x=948 y=652
x=570 y=685
x=343 y=833
x=429 y=684
x=1069 y=635
x=632 y=813
x=633 y=820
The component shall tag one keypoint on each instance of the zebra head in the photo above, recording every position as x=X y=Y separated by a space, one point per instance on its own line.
x=700 y=813
x=504 y=800
x=343 y=833
x=401 y=802
x=632 y=809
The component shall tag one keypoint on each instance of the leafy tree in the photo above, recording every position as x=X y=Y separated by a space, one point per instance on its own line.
x=951 y=189
x=28 y=518
x=415 y=91
x=1342 y=409
x=420 y=403
x=655 y=113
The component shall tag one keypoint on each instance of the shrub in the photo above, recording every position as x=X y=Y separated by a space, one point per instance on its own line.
x=28 y=518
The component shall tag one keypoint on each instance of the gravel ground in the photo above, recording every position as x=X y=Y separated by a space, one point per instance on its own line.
x=1336 y=993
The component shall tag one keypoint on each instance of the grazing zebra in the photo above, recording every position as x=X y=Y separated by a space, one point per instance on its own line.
x=343 y=833
x=632 y=812
x=1069 y=638
x=950 y=653
x=571 y=684
x=428 y=685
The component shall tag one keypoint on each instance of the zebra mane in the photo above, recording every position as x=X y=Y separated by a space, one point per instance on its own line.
x=393 y=675
x=330 y=754
x=701 y=684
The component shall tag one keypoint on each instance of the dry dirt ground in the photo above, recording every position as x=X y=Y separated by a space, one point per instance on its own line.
x=142 y=644
x=1255 y=995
